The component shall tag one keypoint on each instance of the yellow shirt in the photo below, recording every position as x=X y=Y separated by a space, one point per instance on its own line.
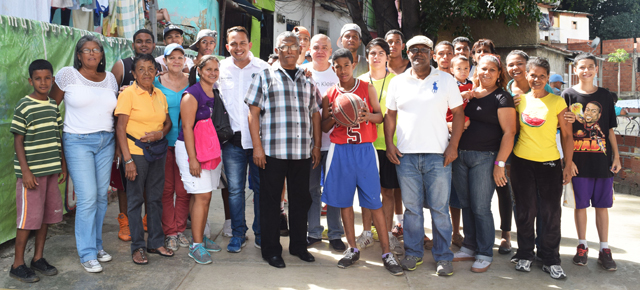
x=538 y=125
x=146 y=113
x=380 y=144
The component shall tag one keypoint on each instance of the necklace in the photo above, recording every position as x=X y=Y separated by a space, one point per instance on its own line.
x=384 y=80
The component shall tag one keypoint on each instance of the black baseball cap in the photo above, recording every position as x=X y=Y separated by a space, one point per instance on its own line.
x=170 y=28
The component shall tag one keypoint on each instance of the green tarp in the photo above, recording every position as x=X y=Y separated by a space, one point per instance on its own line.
x=21 y=42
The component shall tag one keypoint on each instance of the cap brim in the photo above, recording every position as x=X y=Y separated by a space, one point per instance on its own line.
x=339 y=43
x=175 y=29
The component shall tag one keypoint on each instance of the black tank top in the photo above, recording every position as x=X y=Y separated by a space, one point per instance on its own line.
x=127 y=77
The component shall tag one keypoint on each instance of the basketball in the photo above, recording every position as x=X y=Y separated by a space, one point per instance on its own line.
x=346 y=108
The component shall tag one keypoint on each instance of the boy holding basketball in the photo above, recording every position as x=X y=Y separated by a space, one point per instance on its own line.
x=352 y=161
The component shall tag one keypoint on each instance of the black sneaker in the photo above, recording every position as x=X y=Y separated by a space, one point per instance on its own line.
x=311 y=241
x=24 y=274
x=350 y=257
x=391 y=263
x=606 y=261
x=43 y=267
x=284 y=228
x=337 y=245
x=581 y=258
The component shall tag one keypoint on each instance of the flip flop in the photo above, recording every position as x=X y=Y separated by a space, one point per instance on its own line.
x=155 y=251
x=142 y=255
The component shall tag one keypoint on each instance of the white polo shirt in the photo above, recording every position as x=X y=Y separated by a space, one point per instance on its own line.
x=422 y=109
x=234 y=84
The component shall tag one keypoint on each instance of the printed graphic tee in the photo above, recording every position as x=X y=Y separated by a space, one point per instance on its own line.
x=595 y=115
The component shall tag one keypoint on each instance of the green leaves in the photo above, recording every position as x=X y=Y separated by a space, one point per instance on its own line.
x=618 y=56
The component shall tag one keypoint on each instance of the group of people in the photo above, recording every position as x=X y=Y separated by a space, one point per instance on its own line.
x=168 y=131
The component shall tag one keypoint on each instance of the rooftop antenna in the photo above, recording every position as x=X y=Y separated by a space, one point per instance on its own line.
x=594 y=44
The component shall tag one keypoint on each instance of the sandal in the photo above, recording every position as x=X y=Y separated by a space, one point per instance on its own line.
x=142 y=256
x=156 y=251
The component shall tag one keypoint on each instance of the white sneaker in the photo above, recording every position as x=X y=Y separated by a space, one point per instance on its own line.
x=365 y=240
x=103 y=256
x=463 y=256
x=92 y=266
x=555 y=271
x=226 y=229
x=523 y=265
x=480 y=266
x=395 y=246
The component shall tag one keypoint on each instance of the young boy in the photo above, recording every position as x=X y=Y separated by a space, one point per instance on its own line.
x=460 y=71
x=39 y=164
x=596 y=160
x=352 y=161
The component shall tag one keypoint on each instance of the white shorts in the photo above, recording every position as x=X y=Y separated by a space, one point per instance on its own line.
x=209 y=179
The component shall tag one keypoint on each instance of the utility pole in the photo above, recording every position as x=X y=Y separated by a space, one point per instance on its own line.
x=313 y=17
x=153 y=9
x=223 y=11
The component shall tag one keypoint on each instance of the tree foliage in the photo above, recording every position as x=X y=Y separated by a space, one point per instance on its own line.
x=612 y=19
x=618 y=56
x=437 y=14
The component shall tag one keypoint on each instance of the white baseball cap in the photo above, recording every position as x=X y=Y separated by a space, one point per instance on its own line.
x=348 y=27
x=419 y=39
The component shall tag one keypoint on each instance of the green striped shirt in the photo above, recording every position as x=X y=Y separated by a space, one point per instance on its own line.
x=40 y=124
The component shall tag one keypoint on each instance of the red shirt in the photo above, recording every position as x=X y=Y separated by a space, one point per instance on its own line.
x=463 y=87
x=365 y=132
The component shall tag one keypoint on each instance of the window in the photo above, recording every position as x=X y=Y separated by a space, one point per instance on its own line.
x=574 y=25
x=323 y=27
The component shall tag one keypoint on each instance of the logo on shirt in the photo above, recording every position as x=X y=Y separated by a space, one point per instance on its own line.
x=478 y=109
x=435 y=87
x=590 y=138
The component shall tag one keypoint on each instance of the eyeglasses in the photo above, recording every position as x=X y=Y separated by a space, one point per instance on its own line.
x=204 y=42
x=285 y=48
x=88 y=51
x=415 y=50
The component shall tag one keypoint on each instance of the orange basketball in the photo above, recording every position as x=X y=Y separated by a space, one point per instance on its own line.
x=346 y=108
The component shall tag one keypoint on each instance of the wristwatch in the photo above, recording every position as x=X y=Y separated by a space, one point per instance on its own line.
x=500 y=163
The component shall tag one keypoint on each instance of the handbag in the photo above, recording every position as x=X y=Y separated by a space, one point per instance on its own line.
x=152 y=150
x=220 y=119
x=568 y=196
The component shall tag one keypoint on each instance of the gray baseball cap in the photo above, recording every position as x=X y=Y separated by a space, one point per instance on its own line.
x=202 y=34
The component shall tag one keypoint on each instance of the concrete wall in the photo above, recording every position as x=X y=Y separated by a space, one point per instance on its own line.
x=300 y=10
x=566 y=28
x=628 y=179
x=496 y=30
x=610 y=70
x=201 y=14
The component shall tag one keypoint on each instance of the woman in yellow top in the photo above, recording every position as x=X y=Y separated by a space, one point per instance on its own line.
x=536 y=171
x=143 y=113
x=379 y=76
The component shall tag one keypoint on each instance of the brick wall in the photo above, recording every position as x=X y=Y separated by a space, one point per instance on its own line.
x=610 y=70
x=628 y=179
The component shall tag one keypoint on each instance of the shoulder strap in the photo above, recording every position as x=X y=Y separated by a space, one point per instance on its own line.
x=131 y=138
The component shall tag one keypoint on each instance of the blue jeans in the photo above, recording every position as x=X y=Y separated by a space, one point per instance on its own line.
x=235 y=160
x=474 y=184
x=334 y=221
x=424 y=181
x=89 y=158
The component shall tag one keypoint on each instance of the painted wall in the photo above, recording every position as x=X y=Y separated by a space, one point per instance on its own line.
x=566 y=28
x=300 y=10
x=201 y=14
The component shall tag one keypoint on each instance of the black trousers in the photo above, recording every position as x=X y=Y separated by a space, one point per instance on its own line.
x=271 y=182
x=150 y=178
x=537 y=189
x=505 y=205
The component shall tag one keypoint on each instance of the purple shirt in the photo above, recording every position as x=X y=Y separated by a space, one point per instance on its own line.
x=205 y=105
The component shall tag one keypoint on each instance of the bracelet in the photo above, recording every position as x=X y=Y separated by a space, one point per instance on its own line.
x=317 y=147
x=129 y=161
x=161 y=135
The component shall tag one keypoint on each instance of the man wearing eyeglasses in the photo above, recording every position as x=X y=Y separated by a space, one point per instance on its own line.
x=284 y=122
x=419 y=99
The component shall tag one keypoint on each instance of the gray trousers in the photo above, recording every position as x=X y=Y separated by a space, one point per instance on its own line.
x=150 y=178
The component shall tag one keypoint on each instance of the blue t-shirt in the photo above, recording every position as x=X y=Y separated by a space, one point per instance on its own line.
x=173 y=101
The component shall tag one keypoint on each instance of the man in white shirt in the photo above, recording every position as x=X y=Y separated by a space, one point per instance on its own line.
x=419 y=99
x=324 y=77
x=236 y=74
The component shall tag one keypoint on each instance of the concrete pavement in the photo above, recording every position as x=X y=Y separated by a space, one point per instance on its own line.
x=247 y=270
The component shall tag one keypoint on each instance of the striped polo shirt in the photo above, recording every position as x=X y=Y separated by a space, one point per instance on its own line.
x=40 y=124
